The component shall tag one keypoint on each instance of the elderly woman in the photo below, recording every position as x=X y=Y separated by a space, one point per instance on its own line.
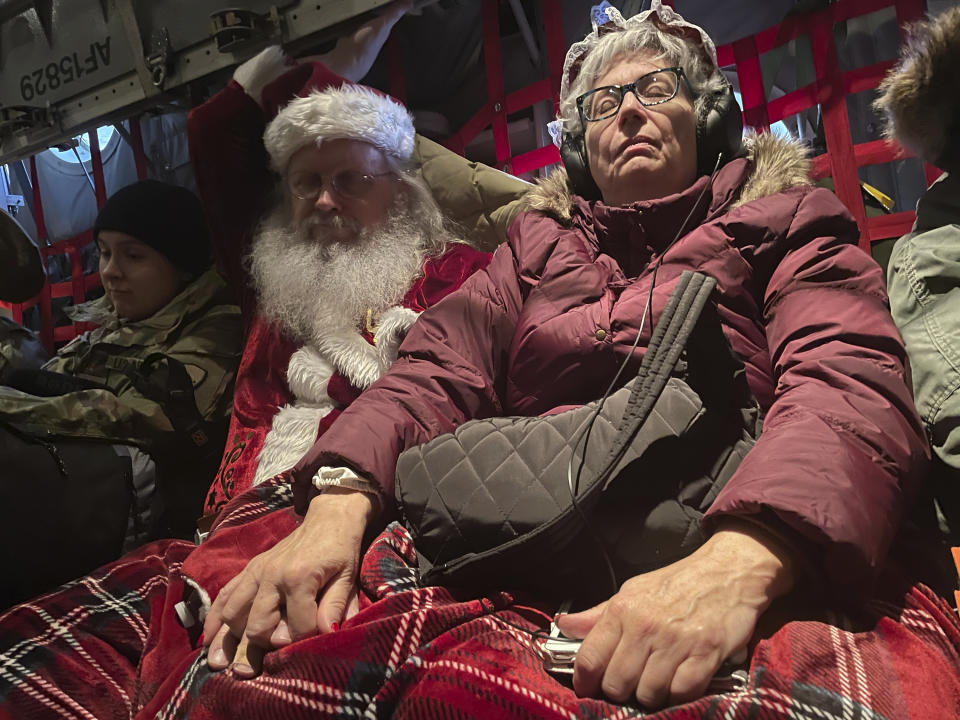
x=814 y=507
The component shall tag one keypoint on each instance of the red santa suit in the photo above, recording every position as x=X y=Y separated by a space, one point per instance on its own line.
x=287 y=393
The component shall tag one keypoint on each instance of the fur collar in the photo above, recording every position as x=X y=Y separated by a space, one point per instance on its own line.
x=919 y=97
x=777 y=164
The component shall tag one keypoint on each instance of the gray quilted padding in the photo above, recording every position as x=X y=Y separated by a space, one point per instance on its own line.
x=493 y=480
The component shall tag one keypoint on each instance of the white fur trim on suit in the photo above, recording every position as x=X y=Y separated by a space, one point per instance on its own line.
x=261 y=70
x=353 y=112
x=293 y=432
x=391 y=330
x=307 y=376
x=294 y=427
x=354 y=357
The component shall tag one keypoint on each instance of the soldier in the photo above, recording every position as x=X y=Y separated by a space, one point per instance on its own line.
x=99 y=438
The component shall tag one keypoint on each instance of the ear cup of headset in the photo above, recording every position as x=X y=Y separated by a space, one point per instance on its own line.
x=719 y=130
x=573 y=153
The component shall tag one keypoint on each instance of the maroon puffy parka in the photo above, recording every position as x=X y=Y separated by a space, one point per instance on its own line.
x=549 y=321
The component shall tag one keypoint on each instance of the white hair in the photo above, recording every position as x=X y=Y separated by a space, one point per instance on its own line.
x=646 y=37
x=313 y=285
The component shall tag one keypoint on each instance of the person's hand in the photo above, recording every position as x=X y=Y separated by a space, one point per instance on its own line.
x=354 y=53
x=662 y=637
x=303 y=585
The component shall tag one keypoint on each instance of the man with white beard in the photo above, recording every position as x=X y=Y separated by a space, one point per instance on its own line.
x=353 y=249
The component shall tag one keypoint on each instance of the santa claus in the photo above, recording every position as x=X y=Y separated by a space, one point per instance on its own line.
x=351 y=249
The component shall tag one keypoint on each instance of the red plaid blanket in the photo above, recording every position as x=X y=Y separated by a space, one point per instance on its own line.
x=114 y=645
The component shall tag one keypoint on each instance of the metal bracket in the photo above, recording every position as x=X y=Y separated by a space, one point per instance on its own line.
x=160 y=61
x=232 y=28
x=131 y=28
x=22 y=117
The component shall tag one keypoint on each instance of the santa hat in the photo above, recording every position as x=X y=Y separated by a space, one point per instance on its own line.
x=353 y=112
x=920 y=97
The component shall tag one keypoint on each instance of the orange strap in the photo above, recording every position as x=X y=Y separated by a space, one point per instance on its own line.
x=956 y=562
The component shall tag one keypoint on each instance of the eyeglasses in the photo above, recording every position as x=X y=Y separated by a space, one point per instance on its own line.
x=654 y=88
x=348 y=184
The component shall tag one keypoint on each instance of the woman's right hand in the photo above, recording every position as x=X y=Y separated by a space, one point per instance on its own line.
x=302 y=586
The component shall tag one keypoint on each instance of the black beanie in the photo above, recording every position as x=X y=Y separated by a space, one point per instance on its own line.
x=168 y=218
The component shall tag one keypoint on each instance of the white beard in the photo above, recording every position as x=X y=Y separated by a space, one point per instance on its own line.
x=313 y=285
x=319 y=290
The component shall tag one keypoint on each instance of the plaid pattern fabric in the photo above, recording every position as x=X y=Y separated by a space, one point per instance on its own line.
x=111 y=646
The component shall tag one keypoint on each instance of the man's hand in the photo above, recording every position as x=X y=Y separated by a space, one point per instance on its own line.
x=663 y=636
x=355 y=53
x=305 y=584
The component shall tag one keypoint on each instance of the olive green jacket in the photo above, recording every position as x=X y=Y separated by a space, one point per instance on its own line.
x=923 y=280
x=199 y=327
x=481 y=200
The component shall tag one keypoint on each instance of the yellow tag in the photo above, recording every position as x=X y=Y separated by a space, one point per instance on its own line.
x=370 y=326
x=879 y=196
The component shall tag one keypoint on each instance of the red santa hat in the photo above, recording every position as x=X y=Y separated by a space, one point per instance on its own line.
x=353 y=112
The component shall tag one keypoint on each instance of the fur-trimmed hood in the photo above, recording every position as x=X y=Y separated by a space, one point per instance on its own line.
x=778 y=164
x=919 y=97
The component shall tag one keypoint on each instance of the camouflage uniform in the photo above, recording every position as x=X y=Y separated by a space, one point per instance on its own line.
x=199 y=327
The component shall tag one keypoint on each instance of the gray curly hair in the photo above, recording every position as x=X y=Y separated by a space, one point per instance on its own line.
x=704 y=77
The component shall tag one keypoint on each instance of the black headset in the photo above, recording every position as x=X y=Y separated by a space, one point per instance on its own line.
x=719 y=134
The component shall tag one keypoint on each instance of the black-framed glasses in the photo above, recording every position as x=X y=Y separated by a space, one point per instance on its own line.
x=654 y=88
x=349 y=184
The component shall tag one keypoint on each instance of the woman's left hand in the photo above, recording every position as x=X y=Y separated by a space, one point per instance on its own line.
x=662 y=637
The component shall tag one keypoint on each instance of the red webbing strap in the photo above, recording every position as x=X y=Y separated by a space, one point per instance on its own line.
x=750 y=78
x=836 y=126
x=470 y=130
x=556 y=47
x=956 y=562
x=527 y=96
x=43 y=298
x=493 y=67
x=136 y=142
x=397 y=80
x=541 y=157
x=882 y=227
x=99 y=184
x=907 y=12
x=76 y=273
x=37 y=202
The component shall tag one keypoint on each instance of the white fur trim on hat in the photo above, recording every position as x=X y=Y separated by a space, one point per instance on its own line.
x=353 y=112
